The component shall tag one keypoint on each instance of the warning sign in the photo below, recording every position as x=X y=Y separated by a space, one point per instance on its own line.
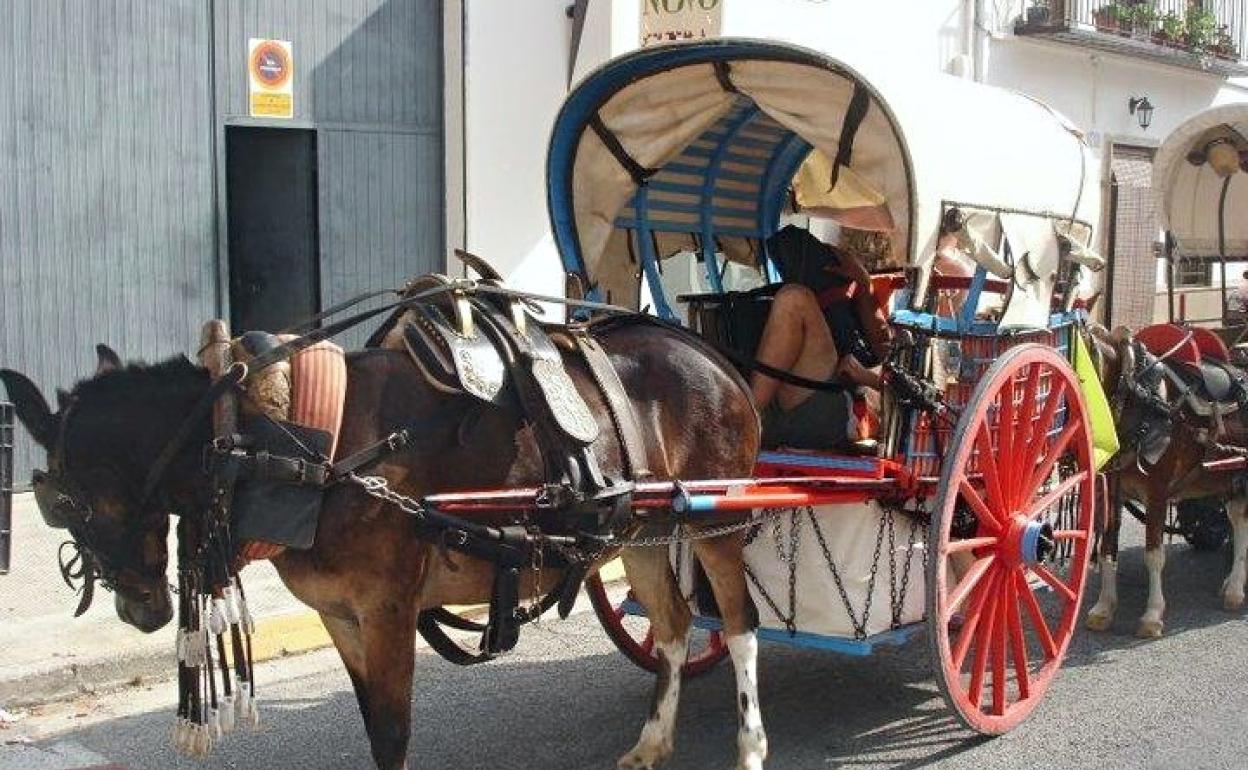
x=271 y=78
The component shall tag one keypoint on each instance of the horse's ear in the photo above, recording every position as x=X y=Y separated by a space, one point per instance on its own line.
x=32 y=410
x=107 y=359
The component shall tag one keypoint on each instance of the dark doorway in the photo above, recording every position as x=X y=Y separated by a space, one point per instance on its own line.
x=271 y=201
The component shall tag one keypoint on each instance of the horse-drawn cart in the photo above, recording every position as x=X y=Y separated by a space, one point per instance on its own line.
x=973 y=519
x=967 y=510
x=1199 y=194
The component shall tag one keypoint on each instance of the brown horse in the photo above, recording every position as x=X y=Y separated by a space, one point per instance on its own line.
x=368 y=575
x=1177 y=474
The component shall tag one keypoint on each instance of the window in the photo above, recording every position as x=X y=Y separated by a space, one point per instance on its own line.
x=1193 y=273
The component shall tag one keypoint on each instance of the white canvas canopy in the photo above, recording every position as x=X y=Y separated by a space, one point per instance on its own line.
x=717 y=131
x=1197 y=179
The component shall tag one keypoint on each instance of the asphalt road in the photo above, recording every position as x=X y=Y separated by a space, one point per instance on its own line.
x=566 y=700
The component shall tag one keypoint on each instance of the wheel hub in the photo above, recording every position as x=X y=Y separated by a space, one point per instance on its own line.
x=1036 y=542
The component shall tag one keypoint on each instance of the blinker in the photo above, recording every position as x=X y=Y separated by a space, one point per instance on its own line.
x=57 y=506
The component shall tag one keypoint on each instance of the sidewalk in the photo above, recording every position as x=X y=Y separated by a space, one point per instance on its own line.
x=47 y=654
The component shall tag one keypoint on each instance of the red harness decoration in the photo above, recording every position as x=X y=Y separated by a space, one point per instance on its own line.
x=1170 y=342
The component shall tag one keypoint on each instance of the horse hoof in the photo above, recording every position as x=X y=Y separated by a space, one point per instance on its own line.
x=1098 y=621
x=1150 y=629
x=1232 y=603
x=644 y=757
x=750 y=763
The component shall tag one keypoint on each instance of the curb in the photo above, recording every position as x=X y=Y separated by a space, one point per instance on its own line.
x=276 y=637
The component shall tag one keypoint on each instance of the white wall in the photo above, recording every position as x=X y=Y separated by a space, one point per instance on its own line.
x=516 y=72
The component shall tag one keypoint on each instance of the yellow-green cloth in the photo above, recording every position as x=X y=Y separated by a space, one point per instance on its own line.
x=1104 y=433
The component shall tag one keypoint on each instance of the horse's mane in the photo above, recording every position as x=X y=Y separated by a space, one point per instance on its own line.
x=138 y=377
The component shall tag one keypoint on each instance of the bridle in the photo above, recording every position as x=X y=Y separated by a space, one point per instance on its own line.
x=64 y=504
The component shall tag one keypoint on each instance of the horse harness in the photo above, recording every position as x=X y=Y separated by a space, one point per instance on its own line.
x=496 y=352
x=1204 y=396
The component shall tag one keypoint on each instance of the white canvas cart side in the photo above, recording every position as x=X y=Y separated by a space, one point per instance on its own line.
x=692 y=149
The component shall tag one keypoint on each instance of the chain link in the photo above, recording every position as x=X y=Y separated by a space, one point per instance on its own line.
x=686 y=535
x=378 y=487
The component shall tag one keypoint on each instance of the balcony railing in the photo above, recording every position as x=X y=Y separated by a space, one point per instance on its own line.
x=1208 y=35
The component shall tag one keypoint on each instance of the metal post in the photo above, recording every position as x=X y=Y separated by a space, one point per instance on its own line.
x=6 y=485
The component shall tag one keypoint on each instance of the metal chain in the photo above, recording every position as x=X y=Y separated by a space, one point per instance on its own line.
x=900 y=602
x=379 y=487
x=860 y=627
x=688 y=535
x=892 y=564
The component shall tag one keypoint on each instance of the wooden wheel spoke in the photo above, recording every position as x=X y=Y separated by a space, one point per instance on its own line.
x=1070 y=534
x=1065 y=591
x=972 y=619
x=1037 y=616
x=1026 y=424
x=1050 y=459
x=968 y=582
x=988 y=467
x=998 y=654
x=1005 y=441
x=983 y=643
x=986 y=517
x=1017 y=642
x=1057 y=391
x=1056 y=493
x=971 y=543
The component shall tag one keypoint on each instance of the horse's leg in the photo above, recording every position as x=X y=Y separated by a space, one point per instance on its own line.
x=1101 y=616
x=722 y=559
x=650 y=576
x=1151 y=624
x=346 y=637
x=388 y=636
x=1233 y=586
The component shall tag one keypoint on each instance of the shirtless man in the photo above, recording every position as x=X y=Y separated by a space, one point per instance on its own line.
x=797 y=339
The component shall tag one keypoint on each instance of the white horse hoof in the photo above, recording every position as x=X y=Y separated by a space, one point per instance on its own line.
x=750 y=763
x=1099 y=621
x=1150 y=629
x=645 y=757
x=1232 y=601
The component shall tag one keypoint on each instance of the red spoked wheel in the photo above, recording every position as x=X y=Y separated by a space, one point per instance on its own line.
x=1010 y=539
x=631 y=633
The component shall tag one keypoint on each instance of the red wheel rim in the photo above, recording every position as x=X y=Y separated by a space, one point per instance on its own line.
x=706 y=649
x=1017 y=488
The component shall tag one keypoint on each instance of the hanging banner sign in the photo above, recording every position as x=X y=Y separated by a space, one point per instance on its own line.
x=664 y=21
x=271 y=78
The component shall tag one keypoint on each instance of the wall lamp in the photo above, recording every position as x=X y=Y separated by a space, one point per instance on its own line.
x=1142 y=109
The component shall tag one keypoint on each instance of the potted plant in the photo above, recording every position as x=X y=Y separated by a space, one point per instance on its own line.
x=1171 y=30
x=1201 y=29
x=1143 y=19
x=1107 y=16
x=1224 y=45
x=1038 y=13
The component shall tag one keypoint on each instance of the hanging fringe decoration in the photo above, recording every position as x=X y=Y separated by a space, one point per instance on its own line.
x=216 y=682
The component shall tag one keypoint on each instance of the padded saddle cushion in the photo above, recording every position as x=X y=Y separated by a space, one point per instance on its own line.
x=1210 y=381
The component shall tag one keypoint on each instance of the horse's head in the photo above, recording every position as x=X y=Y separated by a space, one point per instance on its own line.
x=100 y=442
x=1137 y=390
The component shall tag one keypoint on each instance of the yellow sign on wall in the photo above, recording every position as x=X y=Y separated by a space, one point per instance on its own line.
x=271 y=78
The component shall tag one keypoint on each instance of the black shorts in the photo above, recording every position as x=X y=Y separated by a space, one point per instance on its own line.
x=819 y=422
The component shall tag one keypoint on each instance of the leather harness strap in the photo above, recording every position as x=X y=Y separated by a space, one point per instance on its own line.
x=621 y=410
